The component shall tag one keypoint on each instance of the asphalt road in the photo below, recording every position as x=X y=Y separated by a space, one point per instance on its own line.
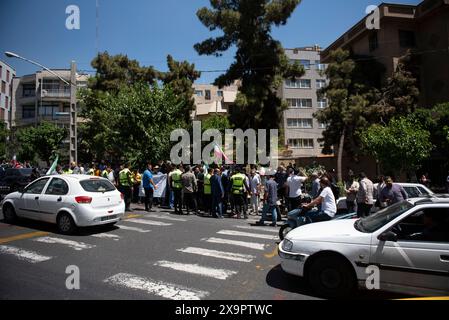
x=149 y=256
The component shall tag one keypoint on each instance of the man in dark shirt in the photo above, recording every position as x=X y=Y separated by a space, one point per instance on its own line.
x=271 y=198
x=392 y=193
x=217 y=194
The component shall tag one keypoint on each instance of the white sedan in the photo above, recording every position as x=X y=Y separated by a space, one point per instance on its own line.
x=408 y=243
x=69 y=201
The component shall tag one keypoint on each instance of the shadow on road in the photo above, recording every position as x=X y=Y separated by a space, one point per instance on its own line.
x=277 y=278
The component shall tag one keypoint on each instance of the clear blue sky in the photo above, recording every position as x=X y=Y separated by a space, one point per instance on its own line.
x=148 y=30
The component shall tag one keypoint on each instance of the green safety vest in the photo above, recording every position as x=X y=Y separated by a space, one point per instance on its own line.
x=125 y=178
x=91 y=172
x=105 y=174
x=176 y=179
x=70 y=171
x=207 y=184
x=238 y=181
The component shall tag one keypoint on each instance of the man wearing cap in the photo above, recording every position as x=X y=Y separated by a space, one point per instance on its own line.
x=392 y=193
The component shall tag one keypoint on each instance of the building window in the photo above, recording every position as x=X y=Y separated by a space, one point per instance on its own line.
x=300 y=103
x=320 y=84
x=1 y=72
x=300 y=143
x=208 y=95
x=300 y=123
x=7 y=75
x=28 y=90
x=407 y=39
x=322 y=103
x=7 y=103
x=28 y=112
x=48 y=109
x=3 y=87
x=319 y=66
x=301 y=84
x=199 y=93
x=220 y=93
x=305 y=64
x=322 y=125
x=373 y=41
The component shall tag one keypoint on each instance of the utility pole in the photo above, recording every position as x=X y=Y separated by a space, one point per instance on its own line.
x=73 y=116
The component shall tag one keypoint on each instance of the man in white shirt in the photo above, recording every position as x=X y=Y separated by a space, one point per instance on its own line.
x=255 y=183
x=294 y=185
x=327 y=201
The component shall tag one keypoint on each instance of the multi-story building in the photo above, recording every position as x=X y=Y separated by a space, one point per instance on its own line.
x=7 y=73
x=211 y=100
x=301 y=129
x=423 y=29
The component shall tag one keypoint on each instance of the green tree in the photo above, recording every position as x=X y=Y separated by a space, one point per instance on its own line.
x=260 y=61
x=400 y=146
x=180 y=78
x=115 y=72
x=44 y=141
x=216 y=122
x=348 y=101
x=4 y=134
x=135 y=124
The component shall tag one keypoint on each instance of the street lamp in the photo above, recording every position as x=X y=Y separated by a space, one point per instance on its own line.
x=73 y=112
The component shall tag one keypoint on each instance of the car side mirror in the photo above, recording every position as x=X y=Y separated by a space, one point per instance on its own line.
x=388 y=236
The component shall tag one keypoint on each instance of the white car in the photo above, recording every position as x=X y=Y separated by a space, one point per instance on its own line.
x=69 y=201
x=408 y=242
x=413 y=190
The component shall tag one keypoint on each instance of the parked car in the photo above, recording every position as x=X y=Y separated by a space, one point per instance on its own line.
x=413 y=190
x=14 y=180
x=69 y=201
x=408 y=242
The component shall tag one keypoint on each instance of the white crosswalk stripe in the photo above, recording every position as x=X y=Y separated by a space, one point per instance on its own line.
x=165 y=218
x=220 y=274
x=267 y=229
x=218 y=254
x=107 y=236
x=149 y=222
x=250 y=245
x=247 y=234
x=78 y=246
x=24 y=255
x=133 y=229
x=158 y=288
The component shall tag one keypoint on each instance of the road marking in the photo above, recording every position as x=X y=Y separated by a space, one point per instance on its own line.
x=133 y=229
x=267 y=229
x=251 y=245
x=247 y=234
x=131 y=216
x=273 y=254
x=158 y=288
x=78 y=246
x=24 y=255
x=166 y=218
x=23 y=236
x=220 y=274
x=150 y=222
x=219 y=254
x=107 y=236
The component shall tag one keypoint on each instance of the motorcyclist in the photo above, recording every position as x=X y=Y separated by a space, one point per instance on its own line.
x=327 y=201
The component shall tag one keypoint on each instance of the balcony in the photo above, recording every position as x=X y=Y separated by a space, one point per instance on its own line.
x=56 y=93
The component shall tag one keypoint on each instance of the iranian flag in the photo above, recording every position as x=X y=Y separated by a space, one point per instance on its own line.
x=219 y=154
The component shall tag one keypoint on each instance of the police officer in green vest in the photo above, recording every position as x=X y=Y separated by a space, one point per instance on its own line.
x=238 y=187
x=208 y=192
x=176 y=185
x=125 y=185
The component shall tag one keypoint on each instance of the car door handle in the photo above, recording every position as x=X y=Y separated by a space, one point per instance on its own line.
x=444 y=258
x=59 y=199
x=36 y=198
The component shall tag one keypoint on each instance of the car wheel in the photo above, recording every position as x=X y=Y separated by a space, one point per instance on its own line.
x=65 y=223
x=9 y=214
x=331 y=277
x=285 y=229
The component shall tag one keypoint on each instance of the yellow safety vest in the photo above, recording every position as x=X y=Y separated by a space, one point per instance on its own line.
x=125 y=178
x=176 y=179
x=207 y=184
x=105 y=174
x=69 y=171
x=238 y=181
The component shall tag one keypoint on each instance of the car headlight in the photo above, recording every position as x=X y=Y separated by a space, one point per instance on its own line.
x=287 y=245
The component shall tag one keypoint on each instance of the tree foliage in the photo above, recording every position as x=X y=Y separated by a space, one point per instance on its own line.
x=4 y=133
x=180 y=78
x=116 y=72
x=133 y=125
x=260 y=61
x=400 y=146
x=44 y=141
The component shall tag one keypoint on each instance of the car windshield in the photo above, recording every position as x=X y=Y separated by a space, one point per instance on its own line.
x=97 y=185
x=381 y=218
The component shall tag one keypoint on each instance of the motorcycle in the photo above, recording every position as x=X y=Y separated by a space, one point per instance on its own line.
x=296 y=218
